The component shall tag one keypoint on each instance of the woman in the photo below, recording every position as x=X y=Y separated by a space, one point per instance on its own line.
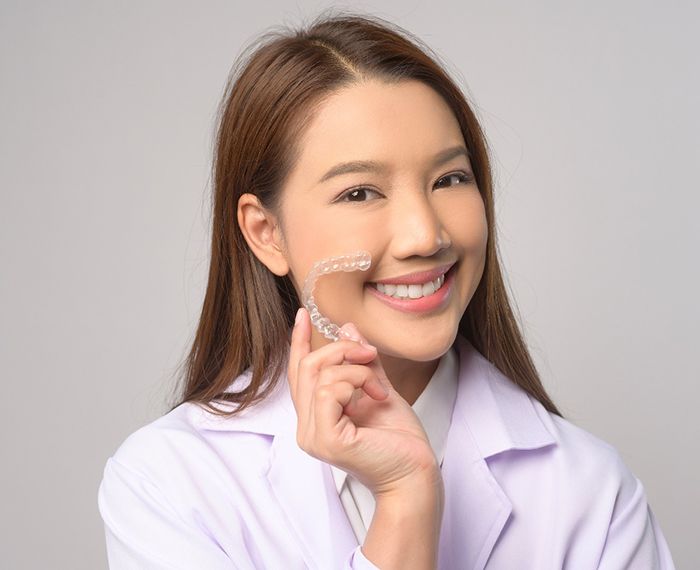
x=424 y=440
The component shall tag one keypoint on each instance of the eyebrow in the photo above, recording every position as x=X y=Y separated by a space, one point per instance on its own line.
x=372 y=166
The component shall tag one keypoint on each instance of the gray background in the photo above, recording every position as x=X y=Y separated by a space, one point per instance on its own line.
x=107 y=114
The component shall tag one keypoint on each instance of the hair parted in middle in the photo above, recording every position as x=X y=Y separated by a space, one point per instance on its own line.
x=270 y=98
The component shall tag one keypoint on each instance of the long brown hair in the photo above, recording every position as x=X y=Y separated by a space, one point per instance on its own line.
x=270 y=96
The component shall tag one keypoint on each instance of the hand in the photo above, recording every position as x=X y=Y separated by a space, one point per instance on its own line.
x=350 y=416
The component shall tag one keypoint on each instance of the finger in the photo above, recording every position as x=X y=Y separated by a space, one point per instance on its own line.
x=350 y=330
x=300 y=346
x=330 y=404
x=332 y=354
x=336 y=394
x=378 y=369
x=350 y=408
x=361 y=377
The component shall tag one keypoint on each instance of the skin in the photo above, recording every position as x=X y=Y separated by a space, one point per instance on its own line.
x=353 y=397
x=411 y=218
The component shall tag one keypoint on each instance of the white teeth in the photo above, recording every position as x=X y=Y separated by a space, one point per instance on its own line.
x=415 y=291
x=402 y=291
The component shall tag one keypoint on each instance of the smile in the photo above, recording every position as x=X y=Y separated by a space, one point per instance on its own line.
x=410 y=291
x=422 y=292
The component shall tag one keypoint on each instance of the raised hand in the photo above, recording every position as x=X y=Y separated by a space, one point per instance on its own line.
x=350 y=416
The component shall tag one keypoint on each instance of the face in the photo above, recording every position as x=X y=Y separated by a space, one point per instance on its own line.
x=418 y=212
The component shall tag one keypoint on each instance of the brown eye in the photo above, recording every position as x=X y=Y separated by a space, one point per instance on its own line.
x=461 y=177
x=357 y=195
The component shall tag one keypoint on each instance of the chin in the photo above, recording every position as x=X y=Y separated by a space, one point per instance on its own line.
x=417 y=347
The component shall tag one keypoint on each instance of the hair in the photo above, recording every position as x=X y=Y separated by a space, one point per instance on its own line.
x=270 y=97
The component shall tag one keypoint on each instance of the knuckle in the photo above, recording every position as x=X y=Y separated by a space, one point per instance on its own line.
x=306 y=364
x=325 y=391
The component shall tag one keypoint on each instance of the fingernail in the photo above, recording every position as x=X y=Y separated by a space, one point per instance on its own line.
x=350 y=332
x=297 y=319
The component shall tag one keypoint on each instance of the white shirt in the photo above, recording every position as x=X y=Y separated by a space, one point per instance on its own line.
x=434 y=409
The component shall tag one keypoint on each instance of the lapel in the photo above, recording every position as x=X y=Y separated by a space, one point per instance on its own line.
x=491 y=415
x=302 y=485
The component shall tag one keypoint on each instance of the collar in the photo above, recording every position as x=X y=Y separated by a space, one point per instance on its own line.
x=498 y=413
x=491 y=414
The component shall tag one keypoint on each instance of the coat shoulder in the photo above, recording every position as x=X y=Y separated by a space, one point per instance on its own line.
x=601 y=505
x=586 y=457
x=191 y=436
x=189 y=487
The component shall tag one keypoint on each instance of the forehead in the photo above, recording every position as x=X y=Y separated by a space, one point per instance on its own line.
x=404 y=123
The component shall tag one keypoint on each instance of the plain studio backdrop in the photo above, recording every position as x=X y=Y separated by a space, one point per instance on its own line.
x=107 y=114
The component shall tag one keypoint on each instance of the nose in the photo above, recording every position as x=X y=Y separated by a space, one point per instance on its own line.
x=417 y=227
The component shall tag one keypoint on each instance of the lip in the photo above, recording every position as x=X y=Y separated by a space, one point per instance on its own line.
x=417 y=277
x=430 y=303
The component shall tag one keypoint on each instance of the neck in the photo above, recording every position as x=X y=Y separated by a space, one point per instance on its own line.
x=409 y=378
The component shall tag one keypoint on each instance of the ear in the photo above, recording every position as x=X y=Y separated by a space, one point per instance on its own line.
x=260 y=229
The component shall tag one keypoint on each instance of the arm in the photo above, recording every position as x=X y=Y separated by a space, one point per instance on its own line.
x=143 y=531
x=378 y=438
x=417 y=511
x=634 y=539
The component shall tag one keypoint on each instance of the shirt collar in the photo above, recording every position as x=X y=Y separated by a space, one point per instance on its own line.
x=430 y=407
x=494 y=412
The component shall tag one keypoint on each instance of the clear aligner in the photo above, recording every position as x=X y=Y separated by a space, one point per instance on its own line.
x=357 y=261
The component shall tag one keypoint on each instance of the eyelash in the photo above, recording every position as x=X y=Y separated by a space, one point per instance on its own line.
x=464 y=177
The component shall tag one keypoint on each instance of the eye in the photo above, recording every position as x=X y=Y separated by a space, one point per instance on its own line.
x=363 y=193
x=462 y=177
x=357 y=194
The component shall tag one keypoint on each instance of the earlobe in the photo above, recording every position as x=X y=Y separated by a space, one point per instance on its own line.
x=260 y=228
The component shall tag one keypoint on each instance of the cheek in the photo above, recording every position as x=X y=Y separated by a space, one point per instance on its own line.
x=477 y=236
x=311 y=239
x=474 y=240
x=464 y=218
x=319 y=227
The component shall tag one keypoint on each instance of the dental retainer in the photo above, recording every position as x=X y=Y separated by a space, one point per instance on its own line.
x=357 y=261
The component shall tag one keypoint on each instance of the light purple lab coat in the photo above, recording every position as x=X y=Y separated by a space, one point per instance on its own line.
x=523 y=489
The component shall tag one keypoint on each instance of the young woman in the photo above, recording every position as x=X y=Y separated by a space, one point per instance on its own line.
x=426 y=439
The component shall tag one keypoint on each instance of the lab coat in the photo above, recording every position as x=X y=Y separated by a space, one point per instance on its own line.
x=524 y=489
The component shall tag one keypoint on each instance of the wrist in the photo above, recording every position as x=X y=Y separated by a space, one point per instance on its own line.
x=405 y=528
x=419 y=489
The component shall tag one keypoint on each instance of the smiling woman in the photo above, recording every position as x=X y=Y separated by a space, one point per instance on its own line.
x=418 y=211
x=423 y=437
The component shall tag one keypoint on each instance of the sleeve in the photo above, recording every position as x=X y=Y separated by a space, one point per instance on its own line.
x=634 y=538
x=358 y=561
x=144 y=532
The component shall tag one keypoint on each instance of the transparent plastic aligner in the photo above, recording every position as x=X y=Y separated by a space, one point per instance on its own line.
x=357 y=261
